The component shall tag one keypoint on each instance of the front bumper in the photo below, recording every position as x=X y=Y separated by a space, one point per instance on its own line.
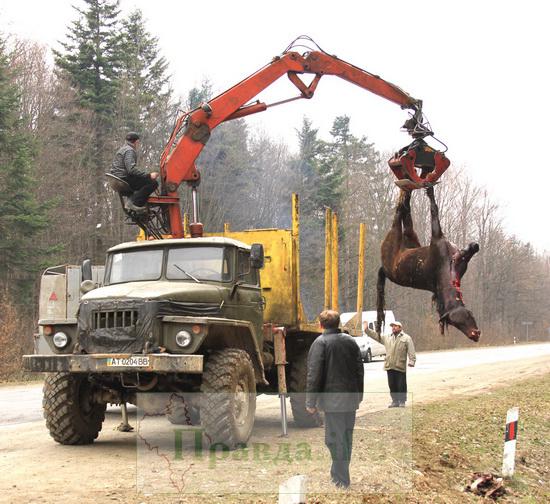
x=98 y=363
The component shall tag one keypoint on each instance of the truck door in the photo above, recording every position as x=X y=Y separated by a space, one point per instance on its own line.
x=249 y=295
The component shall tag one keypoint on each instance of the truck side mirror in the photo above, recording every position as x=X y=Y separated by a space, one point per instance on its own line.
x=257 y=256
x=86 y=269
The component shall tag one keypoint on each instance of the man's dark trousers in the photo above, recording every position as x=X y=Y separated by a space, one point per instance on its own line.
x=397 y=381
x=142 y=185
x=339 y=439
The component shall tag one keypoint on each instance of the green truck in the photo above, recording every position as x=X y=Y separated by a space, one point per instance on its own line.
x=216 y=320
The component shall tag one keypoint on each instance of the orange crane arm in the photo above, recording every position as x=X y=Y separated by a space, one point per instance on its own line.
x=178 y=159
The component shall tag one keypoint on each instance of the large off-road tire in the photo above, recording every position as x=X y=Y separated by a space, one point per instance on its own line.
x=228 y=400
x=181 y=412
x=71 y=416
x=297 y=388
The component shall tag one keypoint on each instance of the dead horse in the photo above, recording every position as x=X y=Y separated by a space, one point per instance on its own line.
x=437 y=268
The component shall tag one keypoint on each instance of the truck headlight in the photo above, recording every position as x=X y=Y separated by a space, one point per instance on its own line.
x=60 y=339
x=183 y=339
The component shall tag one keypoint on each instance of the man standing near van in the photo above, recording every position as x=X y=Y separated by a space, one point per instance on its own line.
x=335 y=385
x=398 y=346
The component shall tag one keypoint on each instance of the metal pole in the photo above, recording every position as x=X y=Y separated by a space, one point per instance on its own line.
x=195 y=199
x=124 y=410
x=328 y=254
x=296 y=257
x=361 y=270
x=280 y=362
x=284 y=423
x=195 y=228
x=334 y=266
x=124 y=425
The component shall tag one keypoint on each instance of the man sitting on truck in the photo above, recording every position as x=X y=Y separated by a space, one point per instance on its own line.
x=124 y=167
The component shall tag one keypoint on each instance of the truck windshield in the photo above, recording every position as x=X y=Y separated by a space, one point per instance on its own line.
x=136 y=265
x=200 y=263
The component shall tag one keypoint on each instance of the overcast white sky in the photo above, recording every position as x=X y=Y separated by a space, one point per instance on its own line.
x=481 y=68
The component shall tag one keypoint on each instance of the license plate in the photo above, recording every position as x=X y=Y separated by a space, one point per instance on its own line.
x=133 y=361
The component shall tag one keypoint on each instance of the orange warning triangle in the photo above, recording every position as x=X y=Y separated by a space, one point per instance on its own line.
x=53 y=297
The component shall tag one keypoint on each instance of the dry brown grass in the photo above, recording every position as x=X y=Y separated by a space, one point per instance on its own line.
x=453 y=439
x=15 y=338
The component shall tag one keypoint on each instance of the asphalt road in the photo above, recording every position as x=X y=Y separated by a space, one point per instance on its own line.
x=131 y=467
x=21 y=404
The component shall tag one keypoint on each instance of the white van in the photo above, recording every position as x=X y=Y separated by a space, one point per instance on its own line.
x=370 y=348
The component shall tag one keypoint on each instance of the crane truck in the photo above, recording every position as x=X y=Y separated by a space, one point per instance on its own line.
x=216 y=317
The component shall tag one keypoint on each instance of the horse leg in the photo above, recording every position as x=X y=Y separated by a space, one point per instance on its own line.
x=392 y=242
x=464 y=256
x=437 y=234
x=404 y=197
x=410 y=238
x=380 y=300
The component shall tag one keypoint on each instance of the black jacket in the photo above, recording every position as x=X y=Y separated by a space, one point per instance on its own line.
x=124 y=163
x=334 y=373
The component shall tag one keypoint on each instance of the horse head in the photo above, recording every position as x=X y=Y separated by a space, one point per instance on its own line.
x=463 y=319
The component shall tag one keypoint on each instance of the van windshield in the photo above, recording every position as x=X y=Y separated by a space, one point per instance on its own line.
x=199 y=263
x=136 y=265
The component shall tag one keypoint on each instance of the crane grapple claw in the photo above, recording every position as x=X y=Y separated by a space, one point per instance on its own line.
x=418 y=156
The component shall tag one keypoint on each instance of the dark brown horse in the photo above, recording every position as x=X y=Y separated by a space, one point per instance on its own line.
x=437 y=268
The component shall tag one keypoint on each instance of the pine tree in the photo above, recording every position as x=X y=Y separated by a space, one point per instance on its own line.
x=91 y=62
x=225 y=165
x=345 y=161
x=145 y=96
x=197 y=95
x=91 y=57
x=330 y=166
x=21 y=216
x=354 y=178
x=305 y=166
x=306 y=169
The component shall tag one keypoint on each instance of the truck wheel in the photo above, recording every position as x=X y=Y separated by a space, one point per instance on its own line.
x=228 y=401
x=71 y=416
x=180 y=412
x=297 y=389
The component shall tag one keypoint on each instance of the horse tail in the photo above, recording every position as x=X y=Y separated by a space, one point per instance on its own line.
x=380 y=300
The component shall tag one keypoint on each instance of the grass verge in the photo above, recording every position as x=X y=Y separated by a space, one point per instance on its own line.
x=451 y=440
x=454 y=438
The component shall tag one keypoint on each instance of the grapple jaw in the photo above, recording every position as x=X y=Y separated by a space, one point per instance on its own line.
x=418 y=165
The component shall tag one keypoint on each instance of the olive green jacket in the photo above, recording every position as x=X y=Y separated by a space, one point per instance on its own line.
x=397 y=349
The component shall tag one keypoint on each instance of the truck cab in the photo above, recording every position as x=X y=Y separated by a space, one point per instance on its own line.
x=150 y=288
x=171 y=316
x=187 y=317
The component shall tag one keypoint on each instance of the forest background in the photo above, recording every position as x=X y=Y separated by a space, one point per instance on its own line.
x=61 y=122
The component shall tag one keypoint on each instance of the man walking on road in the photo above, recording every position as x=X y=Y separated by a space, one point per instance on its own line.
x=398 y=346
x=124 y=167
x=335 y=386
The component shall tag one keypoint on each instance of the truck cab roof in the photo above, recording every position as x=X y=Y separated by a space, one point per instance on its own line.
x=209 y=240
